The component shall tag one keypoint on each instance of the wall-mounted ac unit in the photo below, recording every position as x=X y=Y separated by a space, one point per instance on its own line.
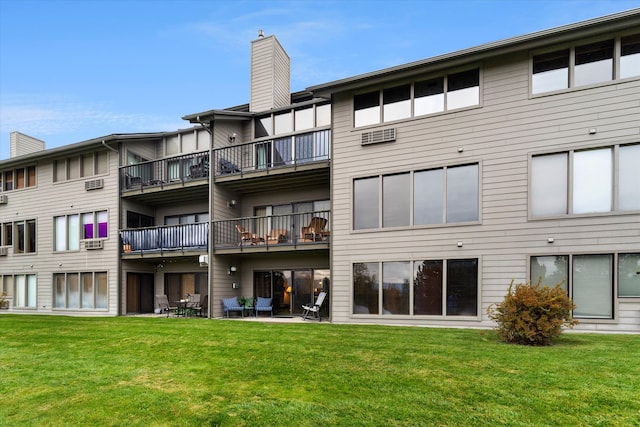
x=377 y=136
x=93 y=244
x=4 y=251
x=94 y=184
x=4 y=199
x=204 y=260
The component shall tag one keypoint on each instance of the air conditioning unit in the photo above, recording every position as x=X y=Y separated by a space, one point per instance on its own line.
x=204 y=260
x=4 y=199
x=4 y=251
x=93 y=244
x=94 y=184
x=377 y=136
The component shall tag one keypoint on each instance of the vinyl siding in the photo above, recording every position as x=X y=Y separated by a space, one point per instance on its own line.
x=42 y=203
x=500 y=135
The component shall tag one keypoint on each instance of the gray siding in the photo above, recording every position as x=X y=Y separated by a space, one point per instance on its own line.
x=500 y=135
x=42 y=203
x=270 y=75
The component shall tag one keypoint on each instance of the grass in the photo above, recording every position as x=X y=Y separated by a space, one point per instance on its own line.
x=157 y=371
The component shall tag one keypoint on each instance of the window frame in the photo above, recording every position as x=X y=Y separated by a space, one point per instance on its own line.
x=357 y=310
x=572 y=58
x=96 y=297
x=379 y=207
x=570 y=178
x=446 y=92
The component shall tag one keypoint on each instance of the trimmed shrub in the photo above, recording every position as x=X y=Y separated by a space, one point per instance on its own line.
x=532 y=314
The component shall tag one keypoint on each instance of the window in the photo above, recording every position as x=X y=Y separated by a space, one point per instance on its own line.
x=87 y=290
x=366 y=203
x=283 y=123
x=436 y=287
x=85 y=165
x=18 y=178
x=395 y=287
x=323 y=115
x=186 y=219
x=630 y=56
x=24 y=295
x=25 y=236
x=396 y=103
x=69 y=229
x=584 y=65
x=430 y=96
x=396 y=200
x=629 y=275
x=463 y=89
x=6 y=234
x=366 y=109
x=304 y=118
x=444 y=195
x=587 y=278
x=589 y=174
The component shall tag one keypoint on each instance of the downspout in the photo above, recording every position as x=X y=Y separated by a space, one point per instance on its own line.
x=210 y=129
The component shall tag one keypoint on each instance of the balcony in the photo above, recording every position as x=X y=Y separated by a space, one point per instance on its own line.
x=147 y=179
x=273 y=162
x=167 y=239
x=309 y=230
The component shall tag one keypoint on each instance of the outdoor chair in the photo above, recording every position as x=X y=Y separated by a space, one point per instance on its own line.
x=277 y=235
x=263 y=304
x=314 y=308
x=247 y=237
x=163 y=304
x=193 y=303
x=315 y=230
x=232 y=304
x=201 y=305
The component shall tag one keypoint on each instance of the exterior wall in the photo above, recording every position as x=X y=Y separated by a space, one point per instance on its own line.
x=42 y=203
x=500 y=135
x=21 y=144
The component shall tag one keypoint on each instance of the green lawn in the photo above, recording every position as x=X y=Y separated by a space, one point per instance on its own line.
x=158 y=371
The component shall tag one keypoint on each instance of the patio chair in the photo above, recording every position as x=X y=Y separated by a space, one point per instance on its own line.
x=202 y=304
x=163 y=304
x=193 y=303
x=315 y=230
x=248 y=237
x=275 y=236
x=232 y=304
x=314 y=308
x=263 y=304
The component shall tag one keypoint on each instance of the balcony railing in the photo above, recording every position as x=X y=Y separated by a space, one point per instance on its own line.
x=274 y=153
x=184 y=237
x=165 y=171
x=276 y=230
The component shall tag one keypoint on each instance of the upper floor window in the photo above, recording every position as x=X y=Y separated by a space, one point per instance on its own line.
x=450 y=92
x=586 y=64
x=18 y=178
x=69 y=229
x=186 y=219
x=589 y=174
x=294 y=120
x=440 y=196
x=89 y=164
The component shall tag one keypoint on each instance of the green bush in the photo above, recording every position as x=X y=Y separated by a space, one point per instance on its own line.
x=532 y=314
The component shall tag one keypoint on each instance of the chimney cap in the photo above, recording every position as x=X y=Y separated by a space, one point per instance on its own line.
x=260 y=34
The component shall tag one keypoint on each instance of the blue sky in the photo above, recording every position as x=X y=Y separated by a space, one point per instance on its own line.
x=72 y=70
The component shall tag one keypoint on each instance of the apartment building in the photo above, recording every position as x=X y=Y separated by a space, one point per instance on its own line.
x=412 y=195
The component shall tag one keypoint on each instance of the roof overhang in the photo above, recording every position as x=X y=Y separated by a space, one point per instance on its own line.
x=215 y=115
x=592 y=27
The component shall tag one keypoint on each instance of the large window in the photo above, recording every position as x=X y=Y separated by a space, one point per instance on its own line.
x=69 y=229
x=430 y=96
x=18 y=178
x=293 y=120
x=87 y=290
x=589 y=176
x=90 y=164
x=589 y=279
x=586 y=64
x=436 y=287
x=443 y=195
